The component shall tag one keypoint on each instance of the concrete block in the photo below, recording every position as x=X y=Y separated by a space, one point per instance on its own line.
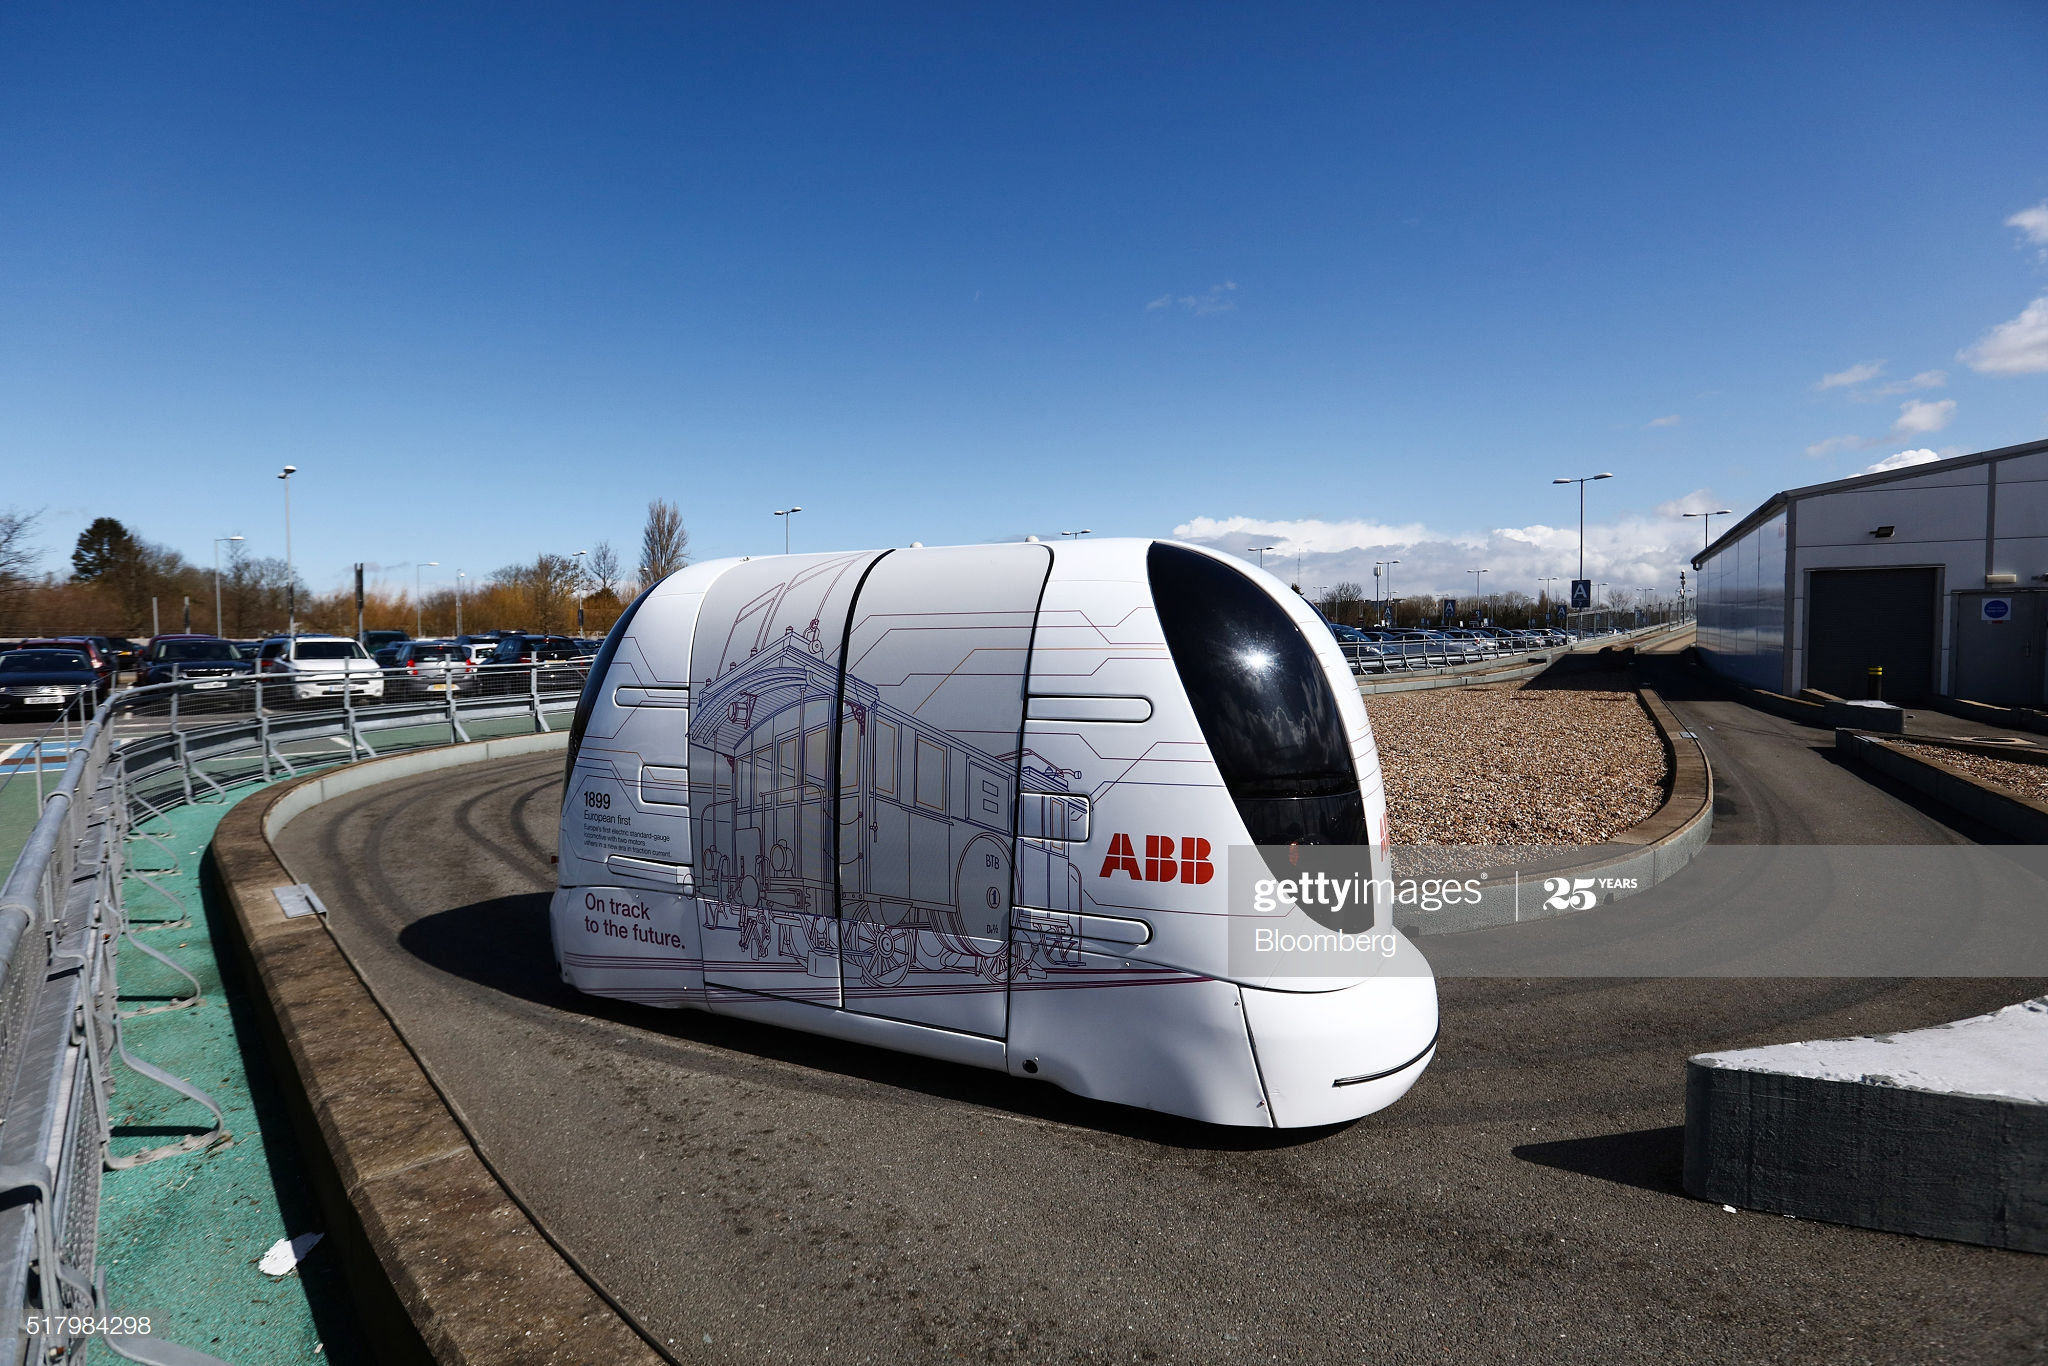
x=1856 y=714
x=1938 y=1132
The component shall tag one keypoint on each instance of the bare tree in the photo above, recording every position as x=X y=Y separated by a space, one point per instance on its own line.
x=547 y=588
x=17 y=558
x=664 y=543
x=1345 y=604
x=604 y=569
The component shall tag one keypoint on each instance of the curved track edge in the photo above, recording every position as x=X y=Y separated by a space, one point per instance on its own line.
x=446 y=1263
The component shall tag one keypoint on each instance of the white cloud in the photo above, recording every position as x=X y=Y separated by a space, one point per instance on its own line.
x=1699 y=500
x=2019 y=347
x=1919 y=416
x=1309 y=535
x=1669 y=420
x=2033 y=223
x=1633 y=552
x=1902 y=460
x=1833 y=444
x=1855 y=374
x=1926 y=379
x=1214 y=299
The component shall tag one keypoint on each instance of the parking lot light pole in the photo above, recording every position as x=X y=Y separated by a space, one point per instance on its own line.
x=1260 y=551
x=1582 y=482
x=419 y=606
x=216 y=579
x=1388 y=613
x=785 y=514
x=1475 y=589
x=578 y=557
x=1706 y=525
x=459 y=576
x=291 y=578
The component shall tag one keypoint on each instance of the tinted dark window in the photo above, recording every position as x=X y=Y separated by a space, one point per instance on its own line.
x=1262 y=699
x=593 y=685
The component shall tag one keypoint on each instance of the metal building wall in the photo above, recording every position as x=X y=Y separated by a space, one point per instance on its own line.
x=1742 y=607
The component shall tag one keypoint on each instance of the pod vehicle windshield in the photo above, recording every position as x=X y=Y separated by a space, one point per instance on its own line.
x=978 y=803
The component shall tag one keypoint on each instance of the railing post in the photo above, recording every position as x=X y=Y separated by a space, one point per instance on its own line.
x=533 y=692
x=456 y=735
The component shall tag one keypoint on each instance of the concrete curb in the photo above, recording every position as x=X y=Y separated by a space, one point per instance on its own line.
x=446 y=1265
x=1940 y=1132
x=1640 y=857
x=2001 y=808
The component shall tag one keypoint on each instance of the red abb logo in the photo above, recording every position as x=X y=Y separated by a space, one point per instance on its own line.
x=1160 y=864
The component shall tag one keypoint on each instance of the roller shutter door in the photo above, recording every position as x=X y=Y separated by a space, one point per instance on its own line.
x=1857 y=618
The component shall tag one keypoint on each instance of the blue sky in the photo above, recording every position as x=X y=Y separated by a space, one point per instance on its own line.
x=1357 y=281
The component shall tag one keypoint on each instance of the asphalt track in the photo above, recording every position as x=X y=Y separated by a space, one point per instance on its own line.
x=752 y=1194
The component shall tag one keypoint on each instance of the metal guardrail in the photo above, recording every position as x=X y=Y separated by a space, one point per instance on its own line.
x=63 y=921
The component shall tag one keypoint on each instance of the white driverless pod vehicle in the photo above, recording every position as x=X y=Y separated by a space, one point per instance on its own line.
x=975 y=803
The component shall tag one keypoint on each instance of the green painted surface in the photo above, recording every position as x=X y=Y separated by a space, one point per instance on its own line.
x=17 y=816
x=180 y=1237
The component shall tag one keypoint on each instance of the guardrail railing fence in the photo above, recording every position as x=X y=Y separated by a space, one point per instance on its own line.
x=64 y=920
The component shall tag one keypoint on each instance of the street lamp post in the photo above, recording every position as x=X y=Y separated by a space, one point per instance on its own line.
x=785 y=514
x=291 y=578
x=419 y=606
x=1475 y=589
x=578 y=557
x=1077 y=535
x=1260 y=551
x=1582 y=482
x=459 y=577
x=1388 y=613
x=1706 y=524
x=216 y=581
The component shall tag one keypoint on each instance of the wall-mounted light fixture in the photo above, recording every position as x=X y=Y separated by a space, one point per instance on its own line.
x=1883 y=532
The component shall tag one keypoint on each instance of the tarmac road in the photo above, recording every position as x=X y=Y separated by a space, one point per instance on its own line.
x=752 y=1194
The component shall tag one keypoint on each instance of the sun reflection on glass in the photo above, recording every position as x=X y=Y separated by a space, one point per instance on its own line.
x=1258 y=661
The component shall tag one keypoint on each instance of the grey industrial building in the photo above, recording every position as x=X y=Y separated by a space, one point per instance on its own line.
x=1937 y=574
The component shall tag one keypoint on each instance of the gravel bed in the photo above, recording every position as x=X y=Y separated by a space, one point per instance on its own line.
x=1529 y=767
x=2029 y=780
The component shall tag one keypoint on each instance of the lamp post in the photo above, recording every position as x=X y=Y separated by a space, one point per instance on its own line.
x=578 y=557
x=216 y=580
x=1077 y=535
x=785 y=514
x=1706 y=525
x=459 y=576
x=1582 y=482
x=1387 y=610
x=291 y=578
x=1260 y=551
x=419 y=606
x=1475 y=589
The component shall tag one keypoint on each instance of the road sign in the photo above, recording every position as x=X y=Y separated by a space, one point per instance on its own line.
x=1582 y=594
x=1450 y=610
x=1998 y=609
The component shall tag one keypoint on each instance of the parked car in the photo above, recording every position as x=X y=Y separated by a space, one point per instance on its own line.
x=319 y=666
x=559 y=664
x=214 y=662
x=375 y=641
x=423 y=668
x=102 y=662
x=42 y=682
x=126 y=653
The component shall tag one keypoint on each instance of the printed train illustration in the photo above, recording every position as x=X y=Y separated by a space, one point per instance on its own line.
x=974 y=802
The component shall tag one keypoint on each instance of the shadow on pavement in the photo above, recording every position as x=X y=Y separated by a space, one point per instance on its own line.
x=1648 y=1159
x=502 y=944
